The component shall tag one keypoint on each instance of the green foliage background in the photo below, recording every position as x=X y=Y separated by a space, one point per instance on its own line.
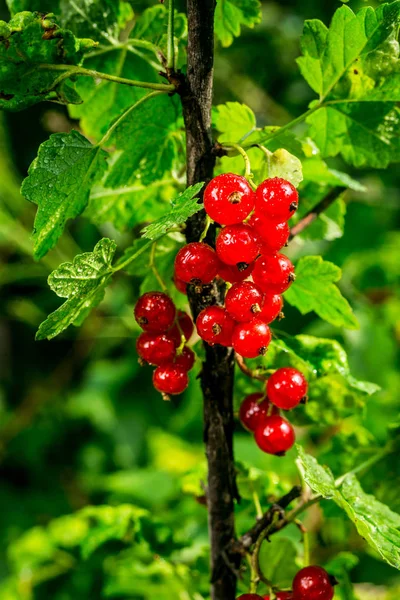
x=80 y=424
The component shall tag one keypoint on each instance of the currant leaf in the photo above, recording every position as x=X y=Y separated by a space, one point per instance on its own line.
x=230 y=15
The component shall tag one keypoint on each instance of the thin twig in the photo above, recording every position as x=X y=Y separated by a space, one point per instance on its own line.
x=316 y=211
x=247 y=371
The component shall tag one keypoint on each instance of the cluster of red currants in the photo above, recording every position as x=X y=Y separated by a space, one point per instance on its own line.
x=246 y=247
x=311 y=583
x=163 y=341
x=273 y=434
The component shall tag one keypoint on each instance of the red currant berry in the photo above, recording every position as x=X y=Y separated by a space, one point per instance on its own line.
x=249 y=597
x=186 y=359
x=170 y=379
x=251 y=339
x=254 y=409
x=286 y=388
x=196 y=263
x=272 y=307
x=155 y=311
x=233 y=274
x=238 y=245
x=180 y=285
x=215 y=326
x=274 y=435
x=228 y=199
x=276 y=199
x=282 y=596
x=185 y=325
x=273 y=273
x=312 y=583
x=244 y=301
x=273 y=235
x=155 y=348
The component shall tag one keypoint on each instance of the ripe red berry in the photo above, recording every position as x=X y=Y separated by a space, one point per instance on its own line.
x=196 y=263
x=180 y=285
x=185 y=324
x=251 y=339
x=276 y=199
x=244 y=301
x=170 y=379
x=286 y=388
x=215 y=326
x=238 y=245
x=234 y=274
x=312 y=583
x=249 y=597
x=282 y=596
x=254 y=409
x=155 y=311
x=272 y=307
x=273 y=235
x=185 y=360
x=228 y=199
x=273 y=273
x=155 y=348
x=274 y=435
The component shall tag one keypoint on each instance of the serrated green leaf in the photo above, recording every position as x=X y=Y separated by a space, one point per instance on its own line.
x=183 y=207
x=314 y=290
x=281 y=164
x=59 y=182
x=316 y=170
x=230 y=15
x=278 y=561
x=319 y=479
x=97 y=19
x=233 y=121
x=83 y=282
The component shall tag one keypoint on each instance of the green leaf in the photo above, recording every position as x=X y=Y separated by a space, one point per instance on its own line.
x=59 y=182
x=278 y=561
x=318 y=478
x=30 y=42
x=314 y=290
x=183 y=207
x=233 y=121
x=281 y=164
x=83 y=282
x=230 y=15
x=97 y=19
x=316 y=170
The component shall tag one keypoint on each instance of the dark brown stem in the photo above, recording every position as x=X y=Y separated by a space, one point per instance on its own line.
x=253 y=374
x=316 y=211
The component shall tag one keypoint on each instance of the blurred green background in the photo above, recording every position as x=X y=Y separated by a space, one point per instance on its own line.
x=80 y=423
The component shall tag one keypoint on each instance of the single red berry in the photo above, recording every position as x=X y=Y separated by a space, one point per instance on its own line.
x=273 y=235
x=155 y=348
x=273 y=273
x=254 y=409
x=282 y=596
x=286 y=388
x=234 y=274
x=274 y=435
x=312 y=583
x=229 y=199
x=180 y=285
x=244 y=301
x=185 y=325
x=276 y=199
x=215 y=326
x=185 y=360
x=196 y=263
x=238 y=245
x=249 y=597
x=272 y=307
x=251 y=339
x=170 y=379
x=155 y=311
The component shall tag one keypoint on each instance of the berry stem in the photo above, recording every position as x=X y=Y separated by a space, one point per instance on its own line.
x=306 y=546
x=206 y=228
x=247 y=172
x=171 y=41
x=253 y=374
x=257 y=504
x=154 y=269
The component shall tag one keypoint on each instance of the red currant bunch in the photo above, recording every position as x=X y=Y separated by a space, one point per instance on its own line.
x=313 y=583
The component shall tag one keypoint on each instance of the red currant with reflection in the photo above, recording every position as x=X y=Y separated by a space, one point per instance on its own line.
x=273 y=235
x=273 y=273
x=274 y=435
x=180 y=285
x=276 y=199
x=155 y=348
x=196 y=263
x=185 y=360
x=312 y=583
x=170 y=379
x=232 y=274
x=272 y=307
x=185 y=325
x=228 y=199
x=215 y=326
x=244 y=301
x=286 y=388
x=155 y=311
x=253 y=409
x=237 y=245
x=251 y=339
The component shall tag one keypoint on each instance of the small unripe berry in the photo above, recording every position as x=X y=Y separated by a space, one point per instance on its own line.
x=185 y=360
x=312 y=583
x=196 y=263
x=155 y=311
x=232 y=274
x=251 y=339
x=237 y=245
x=273 y=273
x=155 y=348
x=272 y=307
x=254 y=409
x=286 y=388
x=275 y=435
x=170 y=379
x=273 y=235
x=215 y=326
x=228 y=199
x=244 y=301
x=276 y=199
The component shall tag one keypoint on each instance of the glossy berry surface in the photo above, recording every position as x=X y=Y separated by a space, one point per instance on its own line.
x=186 y=359
x=233 y=274
x=180 y=285
x=254 y=409
x=244 y=301
x=272 y=307
x=237 y=245
x=186 y=326
x=273 y=273
x=196 y=263
x=276 y=199
x=251 y=339
x=275 y=435
x=170 y=379
x=273 y=235
x=282 y=596
x=229 y=199
x=215 y=326
x=312 y=583
x=286 y=388
x=155 y=348
x=155 y=311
